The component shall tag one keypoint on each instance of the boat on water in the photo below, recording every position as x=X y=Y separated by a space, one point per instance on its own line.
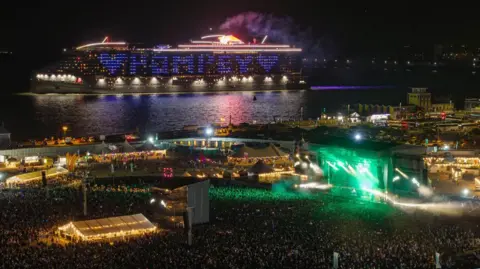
x=213 y=63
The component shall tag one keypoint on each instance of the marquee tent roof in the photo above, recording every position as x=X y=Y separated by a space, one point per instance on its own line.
x=102 y=148
x=127 y=147
x=267 y=152
x=108 y=227
x=260 y=168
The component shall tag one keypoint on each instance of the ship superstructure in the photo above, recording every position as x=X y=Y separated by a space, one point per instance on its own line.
x=214 y=62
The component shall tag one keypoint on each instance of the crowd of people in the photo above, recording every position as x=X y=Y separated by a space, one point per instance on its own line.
x=126 y=157
x=268 y=161
x=119 y=188
x=249 y=228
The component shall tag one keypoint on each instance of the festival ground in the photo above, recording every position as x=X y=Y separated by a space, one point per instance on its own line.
x=248 y=228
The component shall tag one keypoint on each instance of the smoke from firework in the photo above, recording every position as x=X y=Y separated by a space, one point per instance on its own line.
x=279 y=29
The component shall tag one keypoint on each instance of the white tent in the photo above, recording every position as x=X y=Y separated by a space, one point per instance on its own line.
x=98 y=229
x=37 y=175
x=127 y=147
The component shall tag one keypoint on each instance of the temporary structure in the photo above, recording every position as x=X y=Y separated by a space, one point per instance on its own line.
x=37 y=175
x=271 y=151
x=101 y=148
x=260 y=168
x=107 y=228
x=266 y=173
x=127 y=147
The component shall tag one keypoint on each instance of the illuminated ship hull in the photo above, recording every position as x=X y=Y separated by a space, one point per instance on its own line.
x=166 y=85
x=111 y=68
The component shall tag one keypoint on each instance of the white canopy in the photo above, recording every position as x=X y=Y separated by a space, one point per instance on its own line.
x=37 y=175
x=108 y=227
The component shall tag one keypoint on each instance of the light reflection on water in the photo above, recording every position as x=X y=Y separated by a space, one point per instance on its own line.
x=112 y=114
x=37 y=116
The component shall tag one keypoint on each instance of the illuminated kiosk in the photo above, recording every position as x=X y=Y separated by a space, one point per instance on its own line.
x=107 y=228
x=362 y=164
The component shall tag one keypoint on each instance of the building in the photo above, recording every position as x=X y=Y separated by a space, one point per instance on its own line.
x=4 y=138
x=401 y=112
x=456 y=127
x=442 y=107
x=368 y=109
x=396 y=112
x=472 y=103
x=420 y=97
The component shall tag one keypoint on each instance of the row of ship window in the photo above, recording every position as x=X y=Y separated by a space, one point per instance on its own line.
x=114 y=69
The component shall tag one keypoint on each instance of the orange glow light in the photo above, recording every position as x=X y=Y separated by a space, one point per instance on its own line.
x=228 y=39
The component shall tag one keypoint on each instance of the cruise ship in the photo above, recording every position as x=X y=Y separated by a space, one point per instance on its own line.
x=212 y=63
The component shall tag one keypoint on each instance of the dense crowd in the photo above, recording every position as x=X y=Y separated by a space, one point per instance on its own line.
x=120 y=188
x=249 y=229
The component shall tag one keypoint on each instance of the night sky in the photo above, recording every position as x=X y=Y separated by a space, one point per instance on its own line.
x=37 y=32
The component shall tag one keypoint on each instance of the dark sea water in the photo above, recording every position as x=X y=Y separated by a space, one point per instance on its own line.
x=37 y=116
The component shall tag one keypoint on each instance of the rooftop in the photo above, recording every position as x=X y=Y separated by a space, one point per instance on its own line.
x=109 y=227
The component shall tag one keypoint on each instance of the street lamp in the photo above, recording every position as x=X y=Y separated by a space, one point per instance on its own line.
x=209 y=131
x=65 y=129
x=208 y=134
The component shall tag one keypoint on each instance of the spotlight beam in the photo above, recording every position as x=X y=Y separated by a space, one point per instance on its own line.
x=401 y=173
